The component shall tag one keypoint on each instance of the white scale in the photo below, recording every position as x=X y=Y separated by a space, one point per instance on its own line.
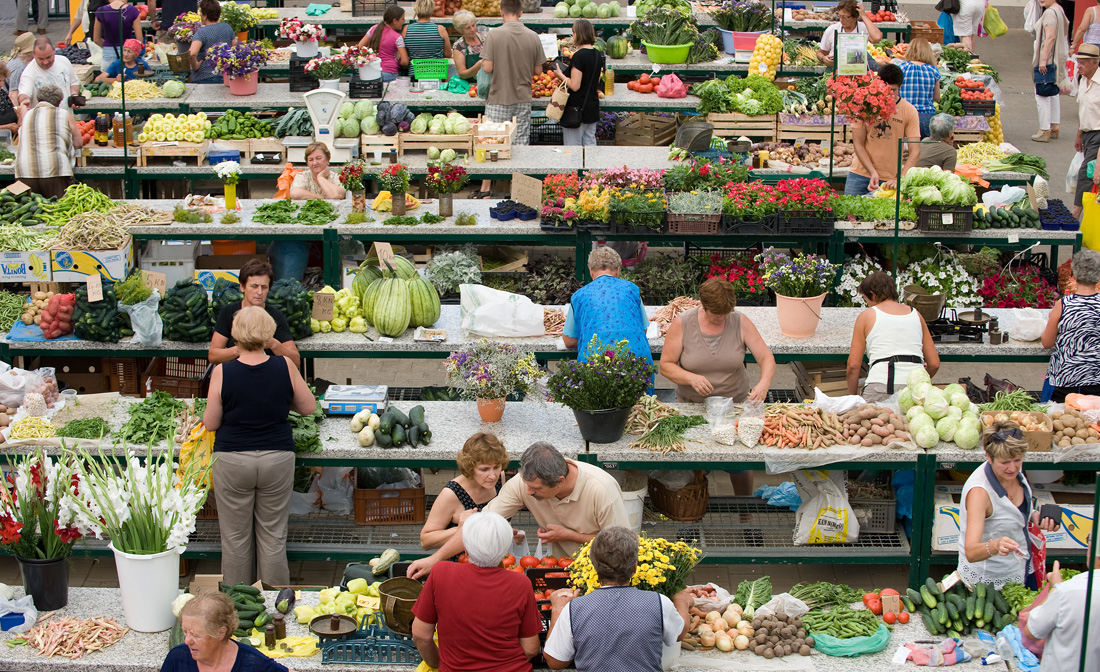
x=324 y=108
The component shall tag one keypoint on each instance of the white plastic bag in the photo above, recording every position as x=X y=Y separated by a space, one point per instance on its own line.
x=1033 y=11
x=25 y=606
x=302 y=503
x=1029 y=324
x=836 y=404
x=490 y=312
x=145 y=320
x=337 y=489
x=791 y=606
x=722 y=599
x=1071 y=174
x=1004 y=197
x=825 y=516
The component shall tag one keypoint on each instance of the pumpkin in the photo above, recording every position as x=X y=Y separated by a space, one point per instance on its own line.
x=617 y=46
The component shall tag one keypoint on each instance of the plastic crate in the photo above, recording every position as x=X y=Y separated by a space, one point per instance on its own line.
x=945 y=218
x=748 y=225
x=300 y=82
x=653 y=222
x=430 y=68
x=979 y=108
x=876 y=515
x=806 y=223
x=125 y=374
x=370 y=7
x=357 y=88
x=593 y=225
x=181 y=377
x=705 y=254
x=546 y=132
x=688 y=223
x=555 y=227
x=402 y=506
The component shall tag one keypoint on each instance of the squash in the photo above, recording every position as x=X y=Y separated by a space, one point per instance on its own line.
x=617 y=46
x=175 y=635
x=424 y=301
x=392 y=310
x=402 y=267
x=386 y=560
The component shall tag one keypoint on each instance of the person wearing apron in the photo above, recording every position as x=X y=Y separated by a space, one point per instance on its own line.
x=894 y=337
x=466 y=51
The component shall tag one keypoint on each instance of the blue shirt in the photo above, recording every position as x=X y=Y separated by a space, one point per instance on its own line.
x=248 y=660
x=919 y=85
x=612 y=309
x=208 y=36
x=115 y=68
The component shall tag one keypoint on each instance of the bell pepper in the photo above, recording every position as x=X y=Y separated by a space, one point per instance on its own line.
x=339 y=324
x=358 y=325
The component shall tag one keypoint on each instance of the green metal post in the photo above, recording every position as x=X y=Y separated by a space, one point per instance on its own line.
x=1091 y=562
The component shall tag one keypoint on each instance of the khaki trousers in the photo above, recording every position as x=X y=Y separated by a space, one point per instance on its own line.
x=253 y=491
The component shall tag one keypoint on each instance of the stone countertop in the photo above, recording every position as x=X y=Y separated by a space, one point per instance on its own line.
x=863 y=230
x=210 y=97
x=102 y=104
x=528 y=160
x=822 y=23
x=636 y=61
x=602 y=158
x=623 y=99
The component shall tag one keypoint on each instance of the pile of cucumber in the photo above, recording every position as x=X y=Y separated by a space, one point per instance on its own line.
x=249 y=603
x=1006 y=218
x=958 y=611
x=25 y=209
x=395 y=429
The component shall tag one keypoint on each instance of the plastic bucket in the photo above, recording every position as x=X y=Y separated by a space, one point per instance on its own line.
x=798 y=317
x=148 y=584
x=728 y=44
x=370 y=71
x=306 y=49
x=634 y=503
x=46 y=581
x=333 y=84
x=603 y=426
x=226 y=247
x=669 y=55
x=745 y=41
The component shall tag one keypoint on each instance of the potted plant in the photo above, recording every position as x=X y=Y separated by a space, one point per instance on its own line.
x=690 y=211
x=637 y=178
x=704 y=175
x=148 y=510
x=451 y=270
x=489 y=371
x=749 y=207
x=365 y=61
x=328 y=70
x=666 y=34
x=351 y=178
x=446 y=179
x=230 y=173
x=602 y=388
x=1018 y=288
x=865 y=98
x=239 y=64
x=555 y=190
x=943 y=274
x=741 y=23
x=395 y=180
x=805 y=206
x=240 y=19
x=744 y=274
x=591 y=209
x=306 y=35
x=183 y=30
x=36 y=524
x=800 y=285
x=637 y=209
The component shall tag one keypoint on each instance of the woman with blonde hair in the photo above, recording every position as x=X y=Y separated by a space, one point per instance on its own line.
x=424 y=39
x=317 y=180
x=466 y=51
x=921 y=85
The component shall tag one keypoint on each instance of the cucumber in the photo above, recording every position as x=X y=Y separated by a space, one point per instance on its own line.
x=956 y=601
x=928 y=597
x=910 y=606
x=175 y=635
x=245 y=588
x=934 y=588
x=929 y=623
x=914 y=596
x=970 y=608
x=263 y=619
x=249 y=614
x=952 y=610
x=979 y=606
x=999 y=602
x=941 y=614
x=245 y=625
x=987 y=615
x=979 y=590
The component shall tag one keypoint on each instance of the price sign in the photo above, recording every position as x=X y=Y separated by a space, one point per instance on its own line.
x=95 y=288
x=549 y=46
x=17 y=188
x=527 y=190
x=155 y=281
x=384 y=252
x=1013 y=238
x=323 y=303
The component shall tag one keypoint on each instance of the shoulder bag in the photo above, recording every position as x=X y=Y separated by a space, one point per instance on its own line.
x=571 y=117
x=1046 y=84
x=948 y=6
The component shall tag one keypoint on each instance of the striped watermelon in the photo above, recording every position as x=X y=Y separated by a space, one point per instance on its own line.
x=363 y=279
x=425 y=302
x=402 y=266
x=392 y=309
x=369 y=298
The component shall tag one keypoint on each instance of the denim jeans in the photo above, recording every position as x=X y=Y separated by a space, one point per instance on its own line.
x=924 y=118
x=389 y=76
x=857 y=185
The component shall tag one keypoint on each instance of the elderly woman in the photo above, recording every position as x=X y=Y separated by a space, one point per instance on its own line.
x=208 y=621
x=599 y=640
x=941 y=131
x=247 y=407
x=212 y=32
x=475 y=633
x=385 y=39
x=996 y=511
x=894 y=337
x=424 y=39
x=466 y=51
x=608 y=307
x=853 y=19
x=1073 y=330
x=128 y=66
x=480 y=463
x=922 y=81
x=317 y=181
x=1048 y=62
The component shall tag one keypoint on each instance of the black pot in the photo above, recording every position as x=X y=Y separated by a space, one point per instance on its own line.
x=605 y=426
x=47 y=581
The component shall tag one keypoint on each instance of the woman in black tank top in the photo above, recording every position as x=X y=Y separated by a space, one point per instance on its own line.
x=247 y=408
x=480 y=463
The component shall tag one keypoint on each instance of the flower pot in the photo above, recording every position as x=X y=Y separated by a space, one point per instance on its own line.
x=359 y=201
x=230 y=197
x=398 y=199
x=605 y=426
x=333 y=84
x=490 y=410
x=148 y=584
x=46 y=581
x=242 y=36
x=370 y=71
x=667 y=54
x=182 y=47
x=446 y=205
x=306 y=49
x=225 y=79
x=245 y=85
x=798 y=317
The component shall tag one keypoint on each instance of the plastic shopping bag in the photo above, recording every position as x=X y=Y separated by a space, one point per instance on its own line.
x=825 y=516
x=1074 y=168
x=25 y=606
x=145 y=320
x=1090 y=221
x=490 y=312
x=285 y=181
x=993 y=23
x=337 y=489
x=1030 y=324
x=199 y=447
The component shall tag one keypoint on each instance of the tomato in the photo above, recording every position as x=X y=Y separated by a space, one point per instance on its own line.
x=655 y=81
x=463 y=559
x=516 y=568
x=890 y=618
x=645 y=88
x=551 y=560
x=867 y=597
x=644 y=79
x=876 y=607
x=509 y=560
x=528 y=561
x=903 y=617
x=889 y=591
x=564 y=563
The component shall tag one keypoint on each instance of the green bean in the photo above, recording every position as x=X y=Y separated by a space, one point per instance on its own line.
x=1019 y=400
x=11 y=308
x=78 y=198
x=16 y=238
x=842 y=622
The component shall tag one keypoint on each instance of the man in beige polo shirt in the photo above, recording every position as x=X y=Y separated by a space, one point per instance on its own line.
x=1088 y=122
x=572 y=501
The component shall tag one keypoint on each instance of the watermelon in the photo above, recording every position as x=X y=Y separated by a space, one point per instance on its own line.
x=424 y=301
x=401 y=266
x=617 y=46
x=369 y=298
x=392 y=309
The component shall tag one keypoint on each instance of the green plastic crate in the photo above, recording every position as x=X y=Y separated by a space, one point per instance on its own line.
x=430 y=68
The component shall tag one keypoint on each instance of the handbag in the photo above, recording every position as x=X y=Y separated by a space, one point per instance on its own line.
x=948 y=6
x=993 y=23
x=556 y=107
x=571 y=116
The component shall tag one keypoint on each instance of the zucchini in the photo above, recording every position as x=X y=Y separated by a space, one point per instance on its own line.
x=385 y=561
x=398 y=435
x=929 y=623
x=386 y=422
x=928 y=597
x=934 y=588
x=416 y=414
x=413 y=435
x=175 y=635
x=400 y=418
x=970 y=608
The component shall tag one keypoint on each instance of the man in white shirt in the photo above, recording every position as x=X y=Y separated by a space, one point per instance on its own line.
x=46 y=68
x=1059 y=618
x=1088 y=119
x=853 y=19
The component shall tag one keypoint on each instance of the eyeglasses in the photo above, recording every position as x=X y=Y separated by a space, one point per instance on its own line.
x=1003 y=435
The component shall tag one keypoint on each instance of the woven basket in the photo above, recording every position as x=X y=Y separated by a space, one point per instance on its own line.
x=688 y=504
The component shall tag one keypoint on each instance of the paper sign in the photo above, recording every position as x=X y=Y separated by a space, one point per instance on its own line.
x=527 y=190
x=901 y=655
x=656 y=67
x=374 y=603
x=891 y=604
x=949 y=581
x=258 y=585
x=1013 y=237
x=385 y=339
x=1031 y=197
x=154 y=280
x=95 y=288
x=17 y=188
x=323 y=303
x=798 y=142
x=851 y=54
x=204 y=582
x=384 y=252
x=549 y=45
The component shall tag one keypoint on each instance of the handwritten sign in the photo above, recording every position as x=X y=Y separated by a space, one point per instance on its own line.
x=384 y=252
x=323 y=304
x=527 y=190
x=95 y=288
x=155 y=281
x=549 y=46
x=17 y=188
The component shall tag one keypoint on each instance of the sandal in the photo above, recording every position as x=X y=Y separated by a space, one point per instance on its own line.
x=481 y=194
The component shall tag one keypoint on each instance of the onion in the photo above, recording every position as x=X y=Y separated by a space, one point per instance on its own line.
x=746 y=630
x=732 y=615
x=704 y=628
x=719 y=624
x=742 y=623
x=724 y=643
x=707 y=639
x=742 y=642
x=712 y=616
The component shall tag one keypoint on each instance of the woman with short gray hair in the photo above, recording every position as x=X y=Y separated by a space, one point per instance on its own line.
x=1073 y=330
x=608 y=307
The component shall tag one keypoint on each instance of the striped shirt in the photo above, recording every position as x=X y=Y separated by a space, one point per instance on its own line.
x=1075 y=361
x=422 y=40
x=45 y=144
x=919 y=85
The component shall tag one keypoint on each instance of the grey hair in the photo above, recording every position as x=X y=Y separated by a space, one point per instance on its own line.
x=487 y=537
x=604 y=259
x=49 y=94
x=940 y=126
x=544 y=462
x=463 y=19
x=614 y=554
x=1086 y=267
x=43 y=42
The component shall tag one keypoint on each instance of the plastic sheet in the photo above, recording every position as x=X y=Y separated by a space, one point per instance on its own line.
x=145 y=320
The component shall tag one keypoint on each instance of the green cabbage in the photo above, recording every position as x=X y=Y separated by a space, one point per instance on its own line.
x=905 y=400
x=561 y=10
x=954 y=412
x=914 y=412
x=970 y=420
x=920 y=422
x=953 y=389
x=433 y=153
x=918 y=375
x=448 y=155
x=449 y=126
x=347 y=110
x=363 y=109
x=173 y=89
x=946 y=428
x=461 y=125
x=966 y=436
x=935 y=404
x=369 y=126
x=919 y=390
x=420 y=124
x=436 y=127
x=960 y=401
x=927 y=437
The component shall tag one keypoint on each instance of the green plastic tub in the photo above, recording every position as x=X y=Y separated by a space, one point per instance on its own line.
x=670 y=55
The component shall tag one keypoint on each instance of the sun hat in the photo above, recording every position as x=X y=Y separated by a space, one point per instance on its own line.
x=1088 y=51
x=24 y=44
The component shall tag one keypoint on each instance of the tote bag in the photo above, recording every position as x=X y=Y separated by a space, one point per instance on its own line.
x=556 y=107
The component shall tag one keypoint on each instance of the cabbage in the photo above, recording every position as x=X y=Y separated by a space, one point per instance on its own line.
x=461 y=125
x=954 y=412
x=347 y=110
x=420 y=124
x=914 y=412
x=433 y=153
x=927 y=437
x=439 y=117
x=974 y=409
x=173 y=89
x=561 y=11
x=966 y=436
x=970 y=420
x=448 y=155
x=953 y=389
x=363 y=109
x=935 y=404
x=920 y=422
x=905 y=400
x=960 y=401
x=436 y=127
x=369 y=126
x=957 y=192
x=946 y=428
x=352 y=128
x=918 y=375
x=919 y=391
x=449 y=126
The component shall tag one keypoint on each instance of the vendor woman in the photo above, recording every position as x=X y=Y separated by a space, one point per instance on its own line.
x=128 y=66
x=317 y=180
x=704 y=354
x=480 y=463
x=256 y=277
x=608 y=307
x=894 y=337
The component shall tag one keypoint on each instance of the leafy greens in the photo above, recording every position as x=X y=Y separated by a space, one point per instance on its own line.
x=753 y=593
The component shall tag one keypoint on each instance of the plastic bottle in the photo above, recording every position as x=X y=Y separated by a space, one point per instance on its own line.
x=102 y=129
x=1004 y=649
x=129 y=129
x=117 y=129
x=609 y=82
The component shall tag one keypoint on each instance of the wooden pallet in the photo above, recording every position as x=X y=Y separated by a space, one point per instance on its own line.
x=186 y=150
x=494 y=140
x=411 y=142
x=764 y=127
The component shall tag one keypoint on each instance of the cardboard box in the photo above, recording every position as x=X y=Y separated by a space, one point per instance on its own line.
x=209 y=268
x=1076 y=520
x=1037 y=441
x=25 y=266
x=77 y=265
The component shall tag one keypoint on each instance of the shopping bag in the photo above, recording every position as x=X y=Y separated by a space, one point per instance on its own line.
x=1090 y=220
x=1074 y=168
x=556 y=108
x=483 y=81
x=1037 y=546
x=145 y=320
x=198 y=447
x=490 y=312
x=285 y=180
x=993 y=23
x=1033 y=645
x=1030 y=324
x=826 y=516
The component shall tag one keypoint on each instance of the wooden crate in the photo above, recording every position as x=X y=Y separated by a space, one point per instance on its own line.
x=242 y=146
x=84 y=73
x=645 y=130
x=495 y=137
x=929 y=30
x=829 y=377
x=967 y=137
x=93 y=154
x=369 y=143
x=792 y=132
x=763 y=127
x=187 y=150
x=411 y=142
x=257 y=146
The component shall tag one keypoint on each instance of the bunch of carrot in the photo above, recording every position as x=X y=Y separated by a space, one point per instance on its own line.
x=797 y=426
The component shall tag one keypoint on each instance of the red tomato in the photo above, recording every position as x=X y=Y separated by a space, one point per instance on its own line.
x=645 y=88
x=528 y=561
x=867 y=597
x=876 y=607
x=509 y=560
x=890 y=618
x=547 y=593
x=889 y=591
x=903 y=617
x=644 y=79
x=550 y=560
x=463 y=559
x=564 y=563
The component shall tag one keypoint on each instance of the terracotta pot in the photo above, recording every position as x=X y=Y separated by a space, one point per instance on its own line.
x=490 y=410
x=798 y=317
x=247 y=85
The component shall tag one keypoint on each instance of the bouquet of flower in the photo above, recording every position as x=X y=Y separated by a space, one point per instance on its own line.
x=351 y=175
x=395 y=178
x=750 y=199
x=358 y=57
x=943 y=274
x=749 y=16
x=327 y=67
x=854 y=270
x=663 y=566
x=491 y=370
x=556 y=189
x=1017 y=288
x=741 y=272
x=183 y=29
x=805 y=195
x=145 y=508
x=238 y=16
x=296 y=30
x=611 y=377
x=228 y=171
x=36 y=520
x=863 y=97
x=446 y=178
x=593 y=203
x=638 y=208
x=238 y=60
x=637 y=178
x=804 y=276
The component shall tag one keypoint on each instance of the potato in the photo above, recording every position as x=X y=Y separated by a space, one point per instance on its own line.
x=1064 y=443
x=38 y=319
x=804 y=650
x=1070 y=432
x=867 y=443
x=1077 y=441
x=1058 y=425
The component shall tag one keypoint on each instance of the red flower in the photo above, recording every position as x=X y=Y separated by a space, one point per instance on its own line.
x=66 y=534
x=9 y=530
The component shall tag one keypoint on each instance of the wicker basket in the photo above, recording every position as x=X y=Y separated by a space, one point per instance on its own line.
x=688 y=504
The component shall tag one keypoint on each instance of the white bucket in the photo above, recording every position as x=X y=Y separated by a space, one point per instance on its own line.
x=149 y=584
x=370 y=71
x=634 y=502
x=306 y=49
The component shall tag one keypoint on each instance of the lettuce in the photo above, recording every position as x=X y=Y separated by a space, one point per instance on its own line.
x=928 y=195
x=957 y=192
x=918 y=375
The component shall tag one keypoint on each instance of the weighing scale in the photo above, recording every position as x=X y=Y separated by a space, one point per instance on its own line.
x=324 y=108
